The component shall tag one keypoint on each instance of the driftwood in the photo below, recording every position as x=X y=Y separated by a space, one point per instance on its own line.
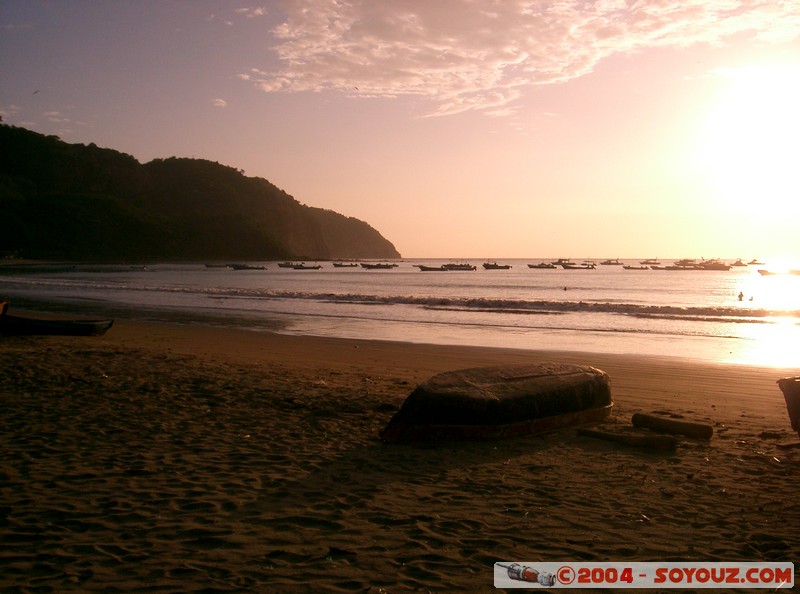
x=662 y=443
x=664 y=425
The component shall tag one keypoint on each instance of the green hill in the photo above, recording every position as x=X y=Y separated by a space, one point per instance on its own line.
x=78 y=202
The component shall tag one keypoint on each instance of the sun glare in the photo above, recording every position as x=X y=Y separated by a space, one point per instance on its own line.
x=748 y=148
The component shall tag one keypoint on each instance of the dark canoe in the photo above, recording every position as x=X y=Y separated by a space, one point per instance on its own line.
x=19 y=326
x=503 y=401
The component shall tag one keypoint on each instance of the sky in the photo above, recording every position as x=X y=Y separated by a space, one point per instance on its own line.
x=457 y=128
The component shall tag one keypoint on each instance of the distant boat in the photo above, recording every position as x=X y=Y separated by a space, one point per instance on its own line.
x=650 y=262
x=561 y=261
x=614 y=262
x=378 y=265
x=496 y=266
x=683 y=264
x=424 y=268
x=287 y=264
x=345 y=264
x=755 y=262
x=693 y=264
x=460 y=266
x=628 y=267
x=583 y=266
x=714 y=264
x=543 y=265
x=739 y=263
x=304 y=266
x=246 y=267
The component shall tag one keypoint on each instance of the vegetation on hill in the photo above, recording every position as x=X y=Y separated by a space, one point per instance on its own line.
x=79 y=202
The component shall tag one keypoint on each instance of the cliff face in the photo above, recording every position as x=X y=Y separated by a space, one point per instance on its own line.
x=72 y=201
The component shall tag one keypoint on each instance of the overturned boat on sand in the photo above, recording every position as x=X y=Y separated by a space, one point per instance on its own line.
x=502 y=401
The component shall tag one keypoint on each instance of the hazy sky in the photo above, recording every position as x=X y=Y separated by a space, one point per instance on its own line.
x=457 y=128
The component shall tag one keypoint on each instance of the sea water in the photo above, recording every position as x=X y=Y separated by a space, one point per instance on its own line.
x=736 y=316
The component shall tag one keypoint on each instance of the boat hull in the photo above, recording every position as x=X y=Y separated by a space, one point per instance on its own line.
x=504 y=401
x=22 y=326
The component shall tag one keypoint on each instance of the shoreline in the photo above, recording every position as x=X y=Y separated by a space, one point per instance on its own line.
x=189 y=457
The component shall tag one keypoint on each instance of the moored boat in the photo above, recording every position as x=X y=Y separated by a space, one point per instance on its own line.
x=378 y=265
x=424 y=268
x=629 y=267
x=614 y=262
x=304 y=266
x=543 y=266
x=345 y=264
x=496 y=266
x=460 y=266
x=246 y=267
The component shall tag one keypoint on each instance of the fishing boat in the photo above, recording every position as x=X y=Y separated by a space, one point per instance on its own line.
x=629 y=267
x=543 y=266
x=246 y=267
x=588 y=265
x=345 y=264
x=378 y=265
x=25 y=326
x=496 y=266
x=714 y=264
x=287 y=264
x=460 y=266
x=739 y=263
x=304 y=266
x=424 y=268
x=683 y=264
x=614 y=262
x=650 y=262
x=502 y=401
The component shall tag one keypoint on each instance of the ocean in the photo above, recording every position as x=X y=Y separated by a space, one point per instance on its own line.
x=734 y=316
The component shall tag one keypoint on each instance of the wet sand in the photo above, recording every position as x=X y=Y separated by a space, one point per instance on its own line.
x=181 y=458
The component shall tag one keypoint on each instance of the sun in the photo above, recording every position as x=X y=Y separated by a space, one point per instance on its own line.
x=749 y=144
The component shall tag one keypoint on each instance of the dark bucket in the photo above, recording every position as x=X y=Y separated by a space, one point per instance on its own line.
x=790 y=386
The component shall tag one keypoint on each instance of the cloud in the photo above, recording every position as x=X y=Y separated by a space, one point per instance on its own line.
x=219 y=103
x=475 y=55
x=56 y=117
x=251 y=13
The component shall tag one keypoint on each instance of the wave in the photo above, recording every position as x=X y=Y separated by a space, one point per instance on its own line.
x=483 y=305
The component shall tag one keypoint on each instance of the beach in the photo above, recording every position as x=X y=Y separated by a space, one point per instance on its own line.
x=187 y=458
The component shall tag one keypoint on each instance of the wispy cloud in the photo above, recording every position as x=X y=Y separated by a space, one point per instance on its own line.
x=219 y=103
x=475 y=54
x=252 y=13
x=56 y=117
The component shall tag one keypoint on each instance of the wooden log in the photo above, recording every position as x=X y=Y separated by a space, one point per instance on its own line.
x=662 y=443
x=664 y=425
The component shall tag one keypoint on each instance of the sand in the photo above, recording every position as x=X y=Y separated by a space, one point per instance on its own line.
x=187 y=459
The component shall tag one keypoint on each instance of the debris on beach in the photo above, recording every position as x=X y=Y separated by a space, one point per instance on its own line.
x=662 y=443
x=664 y=425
